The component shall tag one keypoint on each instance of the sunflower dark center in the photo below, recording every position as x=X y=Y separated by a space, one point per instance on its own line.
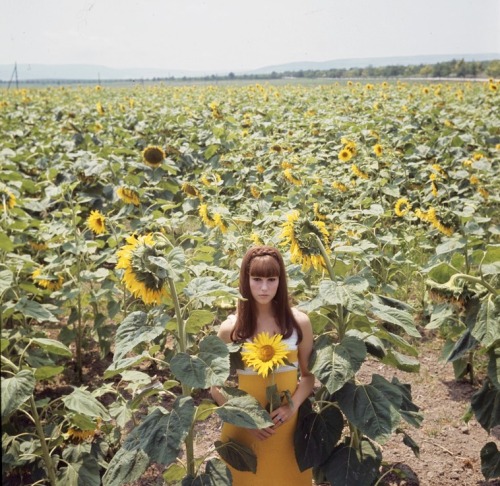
x=266 y=352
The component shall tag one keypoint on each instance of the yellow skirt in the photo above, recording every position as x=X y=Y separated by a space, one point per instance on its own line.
x=276 y=463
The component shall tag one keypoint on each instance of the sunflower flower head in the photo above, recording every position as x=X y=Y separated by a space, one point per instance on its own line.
x=128 y=195
x=99 y=108
x=300 y=233
x=153 y=156
x=255 y=192
x=190 y=190
x=255 y=239
x=483 y=192
x=265 y=353
x=291 y=177
x=402 y=207
x=358 y=172
x=46 y=280
x=96 y=222
x=377 y=148
x=7 y=198
x=345 y=155
x=339 y=186
x=142 y=277
x=219 y=222
x=434 y=188
x=318 y=213
x=205 y=216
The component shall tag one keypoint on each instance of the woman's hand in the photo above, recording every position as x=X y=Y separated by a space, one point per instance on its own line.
x=279 y=417
x=263 y=434
x=282 y=415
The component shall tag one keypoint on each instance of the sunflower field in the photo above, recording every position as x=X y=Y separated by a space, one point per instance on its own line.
x=126 y=211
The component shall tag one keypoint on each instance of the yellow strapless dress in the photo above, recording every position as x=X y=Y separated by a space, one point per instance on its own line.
x=276 y=463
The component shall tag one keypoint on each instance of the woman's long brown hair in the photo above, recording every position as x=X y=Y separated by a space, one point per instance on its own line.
x=263 y=261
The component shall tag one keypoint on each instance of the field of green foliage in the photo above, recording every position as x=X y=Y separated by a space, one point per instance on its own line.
x=125 y=211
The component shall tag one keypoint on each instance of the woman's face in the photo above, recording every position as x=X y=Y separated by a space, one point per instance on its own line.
x=263 y=289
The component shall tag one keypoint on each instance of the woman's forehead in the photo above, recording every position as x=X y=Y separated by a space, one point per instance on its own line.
x=264 y=266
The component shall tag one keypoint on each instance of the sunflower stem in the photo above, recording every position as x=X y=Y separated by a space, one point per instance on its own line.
x=47 y=458
x=325 y=256
x=472 y=279
x=186 y=390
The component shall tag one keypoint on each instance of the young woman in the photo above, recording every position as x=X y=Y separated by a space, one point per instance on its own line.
x=266 y=309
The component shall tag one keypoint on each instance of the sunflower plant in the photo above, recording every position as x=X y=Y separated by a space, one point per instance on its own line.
x=169 y=332
x=464 y=292
x=352 y=323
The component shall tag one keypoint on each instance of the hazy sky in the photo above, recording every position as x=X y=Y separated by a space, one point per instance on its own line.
x=240 y=34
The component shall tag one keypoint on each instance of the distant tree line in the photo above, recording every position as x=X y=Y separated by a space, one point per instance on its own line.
x=455 y=69
x=449 y=69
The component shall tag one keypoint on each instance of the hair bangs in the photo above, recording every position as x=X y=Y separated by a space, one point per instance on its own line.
x=264 y=266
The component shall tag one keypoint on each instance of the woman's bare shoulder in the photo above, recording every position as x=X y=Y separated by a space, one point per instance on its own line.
x=226 y=328
x=301 y=318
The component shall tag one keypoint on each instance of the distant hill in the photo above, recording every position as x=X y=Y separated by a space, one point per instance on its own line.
x=28 y=72
x=373 y=61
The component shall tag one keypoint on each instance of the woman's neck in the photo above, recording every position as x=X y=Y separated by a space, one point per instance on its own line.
x=266 y=319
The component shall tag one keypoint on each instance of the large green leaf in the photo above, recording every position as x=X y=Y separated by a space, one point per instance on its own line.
x=85 y=472
x=136 y=329
x=82 y=401
x=395 y=316
x=335 y=293
x=239 y=456
x=441 y=273
x=126 y=466
x=368 y=409
x=53 y=346
x=465 y=343
x=334 y=364
x=210 y=367
x=494 y=366
x=198 y=319
x=174 y=263
x=16 y=391
x=316 y=434
x=350 y=467
x=216 y=474
x=46 y=372
x=451 y=245
x=243 y=410
x=408 y=410
x=6 y=243
x=486 y=405
x=205 y=290
x=409 y=442
x=161 y=434
x=401 y=361
x=441 y=314
x=34 y=310
x=490 y=461
x=123 y=364
x=6 y=279
x=397 y=341
x=390 y=390
x=487 y=328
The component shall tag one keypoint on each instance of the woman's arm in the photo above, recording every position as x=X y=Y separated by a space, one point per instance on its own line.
x=306 y=382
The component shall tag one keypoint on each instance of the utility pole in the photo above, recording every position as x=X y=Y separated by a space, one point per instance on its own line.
x=14 y=73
